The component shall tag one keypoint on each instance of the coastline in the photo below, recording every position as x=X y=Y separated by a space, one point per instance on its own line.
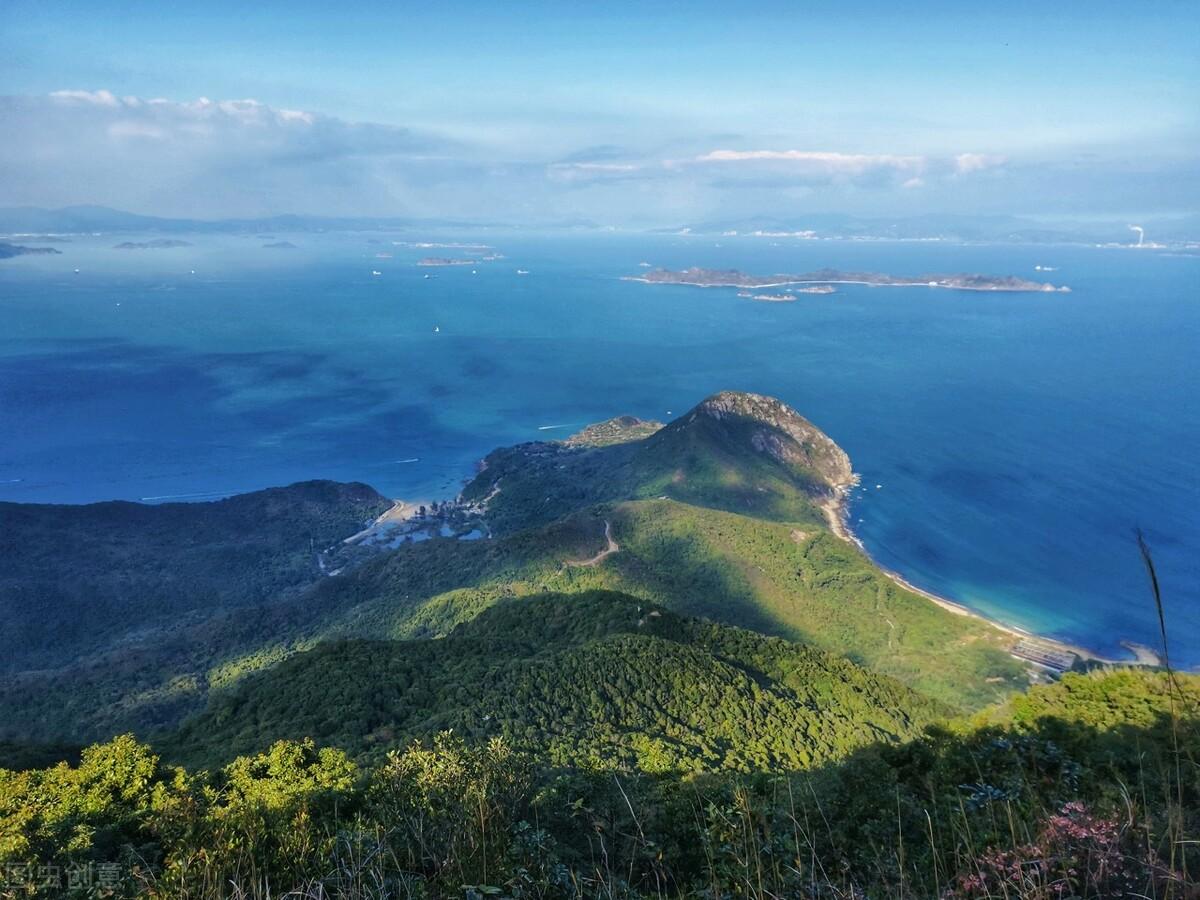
x=837 y=514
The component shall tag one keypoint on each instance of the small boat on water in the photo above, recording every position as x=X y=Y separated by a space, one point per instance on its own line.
x=436 y=329
x=522 y=271
x=376 y=272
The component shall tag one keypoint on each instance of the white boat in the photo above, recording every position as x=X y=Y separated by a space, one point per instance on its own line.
x=522 y=271
x=376 y=272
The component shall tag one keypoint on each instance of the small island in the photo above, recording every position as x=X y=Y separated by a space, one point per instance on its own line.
x=444 y=261
x=156 y=244
x=437 y=245
x=825 y=278
x=7 y=251
x=790 y=296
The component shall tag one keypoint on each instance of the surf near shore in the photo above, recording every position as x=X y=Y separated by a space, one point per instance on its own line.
x=1046 y=652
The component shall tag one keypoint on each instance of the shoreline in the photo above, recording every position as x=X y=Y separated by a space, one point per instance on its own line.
x=837 y=514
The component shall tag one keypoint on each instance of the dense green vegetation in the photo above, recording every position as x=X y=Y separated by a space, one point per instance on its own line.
x=776 y=578
x=184 y=600
x=730 y=702
x=80 y=579
x=736 y=452
x=1088 y=788
x=594 y=680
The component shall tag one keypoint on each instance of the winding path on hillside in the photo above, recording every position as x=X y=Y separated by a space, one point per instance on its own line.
x=604 y=554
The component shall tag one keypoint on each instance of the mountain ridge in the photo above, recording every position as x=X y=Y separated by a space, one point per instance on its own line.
x=723 y=513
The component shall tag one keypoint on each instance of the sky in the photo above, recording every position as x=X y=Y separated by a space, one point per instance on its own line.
x=623 y=114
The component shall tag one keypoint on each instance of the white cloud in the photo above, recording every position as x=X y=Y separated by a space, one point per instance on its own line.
x=965 y=163
x=208 y=157
x=827 y=161
x=96 y=98
x=579 y=172
x=597 y=166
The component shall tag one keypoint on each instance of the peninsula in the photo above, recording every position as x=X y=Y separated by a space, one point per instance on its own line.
x=699 y=277
x=8 y=251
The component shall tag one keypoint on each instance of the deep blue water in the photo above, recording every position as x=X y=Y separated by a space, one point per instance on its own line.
x=1018 y=439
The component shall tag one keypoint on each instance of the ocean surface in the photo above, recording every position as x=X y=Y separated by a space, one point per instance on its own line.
x=1009 y=444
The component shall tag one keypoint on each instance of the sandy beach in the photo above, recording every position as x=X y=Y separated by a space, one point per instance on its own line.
x=837 y=513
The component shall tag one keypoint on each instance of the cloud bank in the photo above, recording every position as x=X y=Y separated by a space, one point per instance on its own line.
x=207 y=157
x=242 y=157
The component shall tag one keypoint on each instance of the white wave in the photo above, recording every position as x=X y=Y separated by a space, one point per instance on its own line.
x=186 y=496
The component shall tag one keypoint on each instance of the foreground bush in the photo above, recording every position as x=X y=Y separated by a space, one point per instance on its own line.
x=1089 y=789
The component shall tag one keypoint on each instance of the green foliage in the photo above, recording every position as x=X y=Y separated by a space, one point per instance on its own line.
x=448 y=800
x=1048 y=805
x=593 y=679
x=178 y=602
x=776 y=578
x=76 y=579
x=76 y=811
x=560 y=739
x=699 y=460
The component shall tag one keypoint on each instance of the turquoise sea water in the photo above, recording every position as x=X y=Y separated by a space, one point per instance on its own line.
x=1018 y=438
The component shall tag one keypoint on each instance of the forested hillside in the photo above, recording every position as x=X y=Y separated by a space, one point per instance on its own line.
x=734 y=451
x=1087 y=788
x=80 y=579
x=592 y=680
x=660 y=674
x=719 y=514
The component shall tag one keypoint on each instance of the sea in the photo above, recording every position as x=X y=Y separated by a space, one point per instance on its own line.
x=1009 y=444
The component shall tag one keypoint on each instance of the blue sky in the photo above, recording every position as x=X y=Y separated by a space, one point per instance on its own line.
x=646 y=113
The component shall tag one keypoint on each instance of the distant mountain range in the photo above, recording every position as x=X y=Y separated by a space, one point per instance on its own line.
x=1011 y=229
x=32 y=220
x=89 y=219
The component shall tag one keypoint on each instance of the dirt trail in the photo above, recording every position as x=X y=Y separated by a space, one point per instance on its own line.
x=604 y=554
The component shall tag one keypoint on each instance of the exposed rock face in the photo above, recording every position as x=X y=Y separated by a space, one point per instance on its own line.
x=778 y=431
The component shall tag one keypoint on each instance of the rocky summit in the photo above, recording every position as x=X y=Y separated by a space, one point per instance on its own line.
x=774 y=428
